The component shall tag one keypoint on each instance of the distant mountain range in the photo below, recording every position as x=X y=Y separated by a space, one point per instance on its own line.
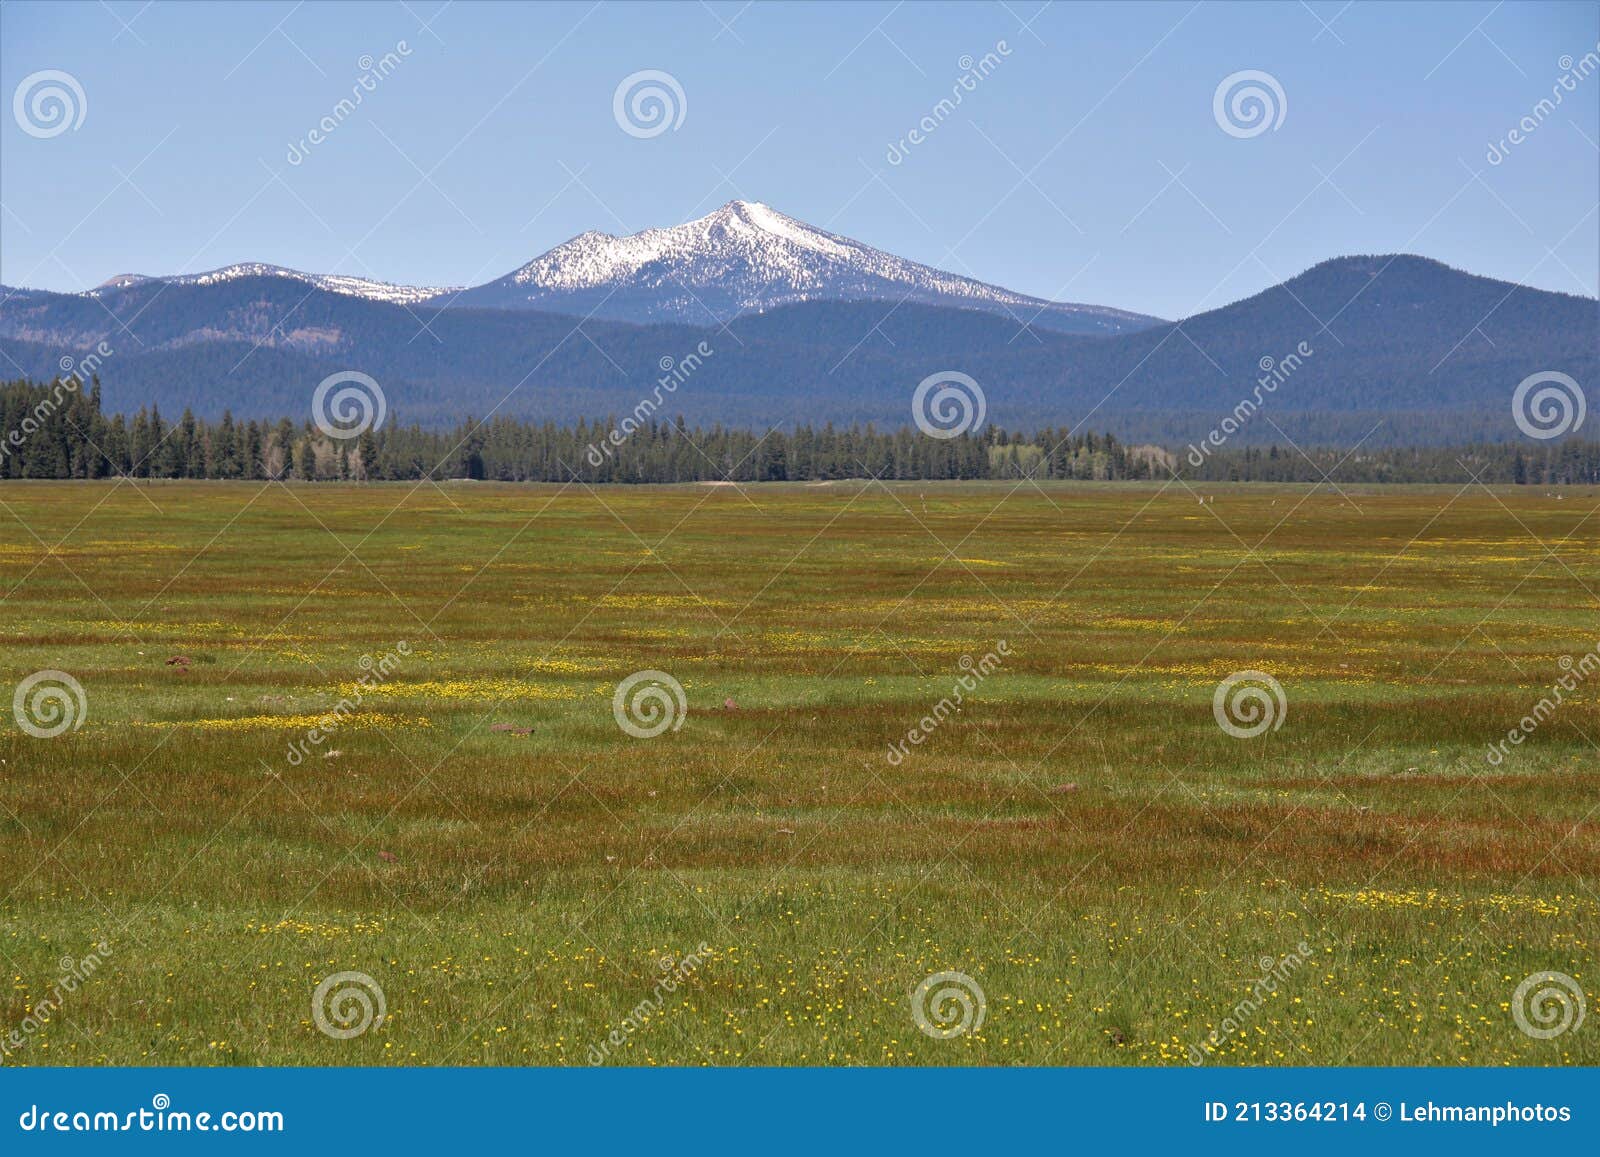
x=806 y=326
x=743 y=258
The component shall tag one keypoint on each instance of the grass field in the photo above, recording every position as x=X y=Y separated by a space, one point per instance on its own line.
x=1111 y=870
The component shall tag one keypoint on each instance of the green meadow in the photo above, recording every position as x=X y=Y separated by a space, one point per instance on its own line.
x=924 y=728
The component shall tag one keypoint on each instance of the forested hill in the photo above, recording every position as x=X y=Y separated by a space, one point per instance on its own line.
x=58 y=431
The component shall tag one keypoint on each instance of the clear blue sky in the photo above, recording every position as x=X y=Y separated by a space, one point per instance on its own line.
x=1087 y=166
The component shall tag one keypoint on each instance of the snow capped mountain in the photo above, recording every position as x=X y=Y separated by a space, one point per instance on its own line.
x=261 y=344
x=744 y=258
x=332 y=282
x=748 y=257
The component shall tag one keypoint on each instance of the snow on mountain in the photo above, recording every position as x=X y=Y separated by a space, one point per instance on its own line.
x=748 y=257
x=332 y=282
x=744 y=258
x=121 y=281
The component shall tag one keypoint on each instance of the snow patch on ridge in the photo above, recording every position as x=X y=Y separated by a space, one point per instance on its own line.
x=332 y=282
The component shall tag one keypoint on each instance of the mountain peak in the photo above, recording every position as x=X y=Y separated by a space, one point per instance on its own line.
x=756 y=215
x=332 y=282
x=1409 y=273
x=747 y=257
x=742 y=257
x=742 y=208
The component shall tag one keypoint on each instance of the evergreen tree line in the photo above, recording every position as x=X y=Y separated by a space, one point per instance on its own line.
x=60 y=431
